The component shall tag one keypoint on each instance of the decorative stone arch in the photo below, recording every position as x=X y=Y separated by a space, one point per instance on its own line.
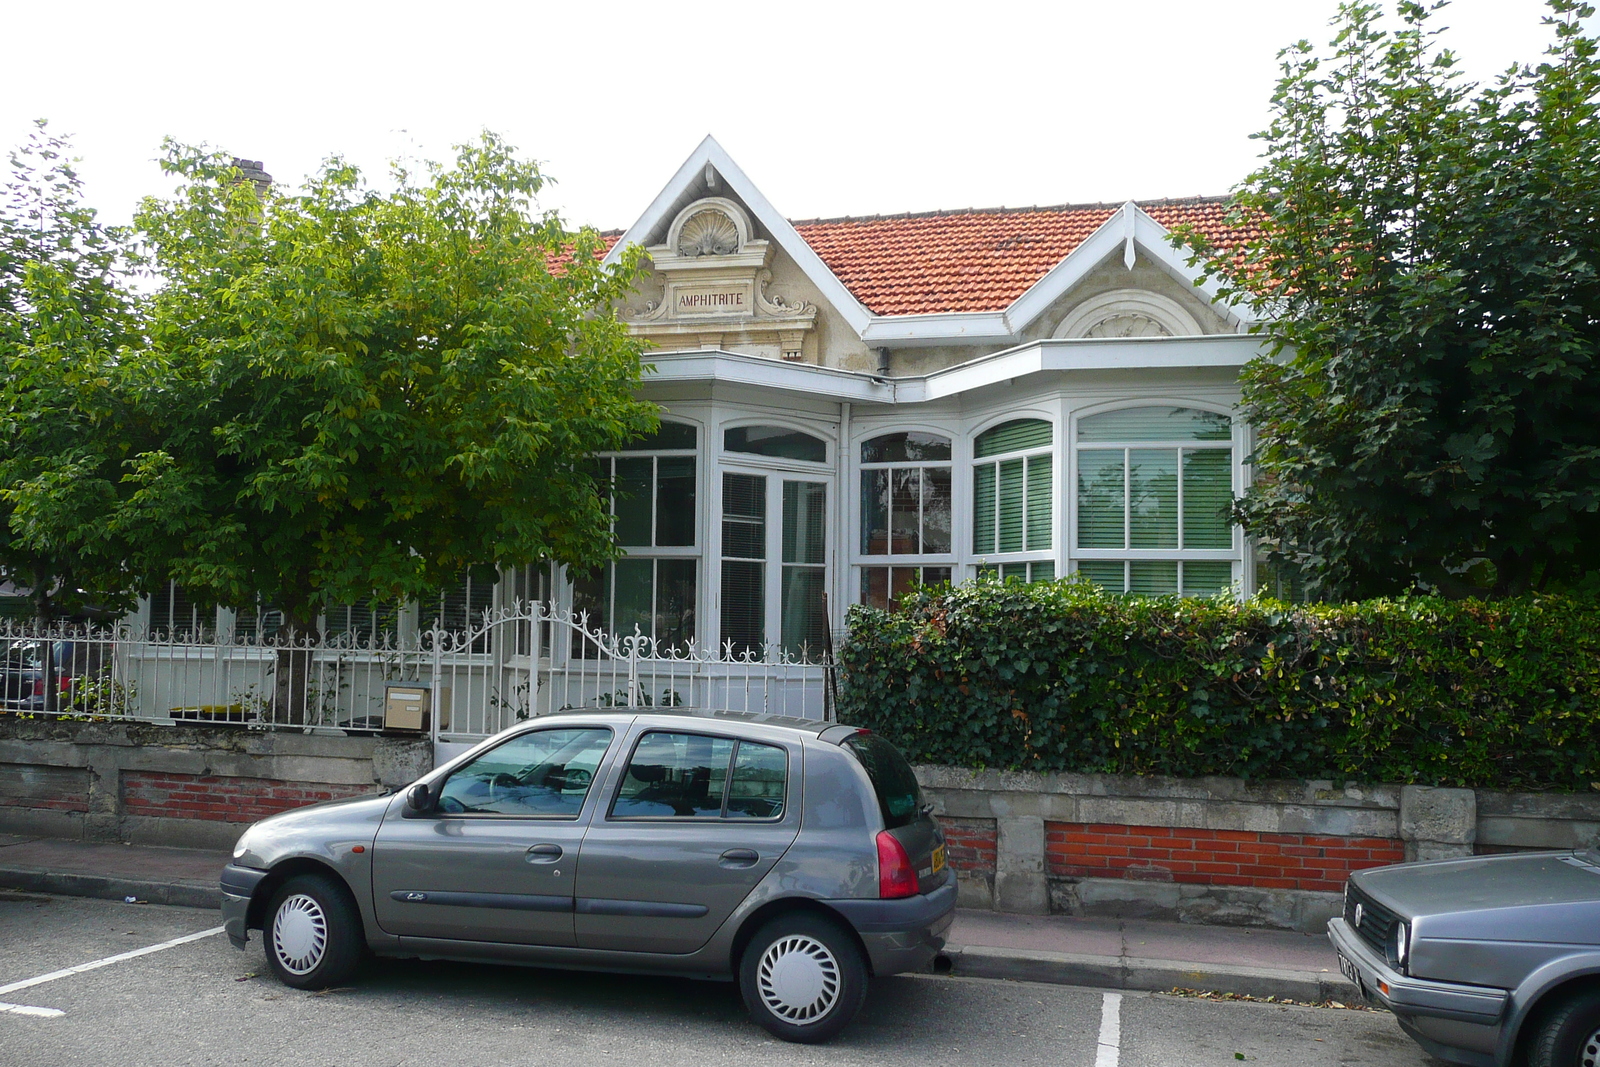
x=714 y=226
x=1129 y=313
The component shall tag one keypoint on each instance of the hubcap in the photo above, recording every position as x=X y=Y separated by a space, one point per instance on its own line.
x=1589 y=1055
x=299 y=934
x=798 y=979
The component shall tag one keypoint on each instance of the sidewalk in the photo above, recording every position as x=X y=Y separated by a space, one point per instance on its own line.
x=1105 y=953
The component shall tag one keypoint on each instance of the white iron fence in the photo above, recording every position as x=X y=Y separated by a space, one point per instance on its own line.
x=526 y=660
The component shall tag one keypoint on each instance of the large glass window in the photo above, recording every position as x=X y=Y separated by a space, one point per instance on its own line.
x=1155 y=487
x=543 y=773
x=652 y=491
x=905 y=513
x=756 y=555
x=1012 y=515
x=680 y=775
x=775 y=442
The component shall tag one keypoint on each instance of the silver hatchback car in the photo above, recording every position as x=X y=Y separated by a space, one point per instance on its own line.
x=796 y=857
x=1487 y=962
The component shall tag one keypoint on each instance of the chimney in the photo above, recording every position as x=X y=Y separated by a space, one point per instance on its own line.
x=250 y=170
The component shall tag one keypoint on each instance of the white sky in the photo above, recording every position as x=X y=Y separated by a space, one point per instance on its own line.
x=832 y=108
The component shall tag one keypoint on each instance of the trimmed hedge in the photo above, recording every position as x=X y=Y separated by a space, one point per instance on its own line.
x=1059 y=676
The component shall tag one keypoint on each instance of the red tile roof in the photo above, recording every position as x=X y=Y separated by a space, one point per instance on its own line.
x=557 y=264
x=975 y=260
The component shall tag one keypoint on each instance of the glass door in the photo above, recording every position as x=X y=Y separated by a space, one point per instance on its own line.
x=774 y=574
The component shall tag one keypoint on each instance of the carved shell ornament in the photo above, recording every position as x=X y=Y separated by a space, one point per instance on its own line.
x=708 y=233
x=1128 y=324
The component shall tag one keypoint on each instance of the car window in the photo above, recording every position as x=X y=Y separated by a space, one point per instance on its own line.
x=679 y=775
x=760 y=773
x=899 y=797
x=675 y=774
x=544 y=772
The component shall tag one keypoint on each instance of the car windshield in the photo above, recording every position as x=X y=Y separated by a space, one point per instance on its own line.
x=899 y=798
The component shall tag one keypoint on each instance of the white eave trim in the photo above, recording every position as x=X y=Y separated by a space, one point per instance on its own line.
x=739 y=369
x=709 y=151
x=1231 y=351
x=955 y=327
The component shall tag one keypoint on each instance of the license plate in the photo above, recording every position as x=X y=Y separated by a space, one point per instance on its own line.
x=1348 y=969
x=938 y=859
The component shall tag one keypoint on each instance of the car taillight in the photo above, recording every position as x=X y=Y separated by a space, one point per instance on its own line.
x=896 y=876
x=38 y=687
x=66 y=682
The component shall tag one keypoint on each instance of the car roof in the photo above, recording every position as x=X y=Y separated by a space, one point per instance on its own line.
x=810 y=727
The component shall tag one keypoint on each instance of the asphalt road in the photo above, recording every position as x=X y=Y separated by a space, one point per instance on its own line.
x=202 y=1002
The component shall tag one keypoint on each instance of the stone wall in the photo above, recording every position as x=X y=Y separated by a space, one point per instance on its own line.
x=196 y=785
x=1216 y=850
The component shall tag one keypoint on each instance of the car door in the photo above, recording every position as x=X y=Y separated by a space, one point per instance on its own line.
x=695 y=822
x=497 y=858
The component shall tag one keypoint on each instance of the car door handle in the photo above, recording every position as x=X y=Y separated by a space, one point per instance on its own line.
x=544 y=854
x=739 y=857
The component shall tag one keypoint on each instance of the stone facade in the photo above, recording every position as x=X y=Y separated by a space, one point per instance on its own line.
x=193 y=786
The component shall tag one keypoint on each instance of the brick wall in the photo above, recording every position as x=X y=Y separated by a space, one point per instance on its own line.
x=33 y=785
x=970 y=843
x=1212 y=857
x=222 y=798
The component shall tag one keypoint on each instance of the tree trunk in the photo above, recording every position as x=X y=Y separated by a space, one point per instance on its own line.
x=292 y=670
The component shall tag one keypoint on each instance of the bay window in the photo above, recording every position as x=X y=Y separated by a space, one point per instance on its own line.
x=1012 y=515
x=1154 y=500
x=905 y=514
x=652 y=497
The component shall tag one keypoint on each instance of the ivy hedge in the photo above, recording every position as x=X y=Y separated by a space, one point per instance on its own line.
x=1059 y=676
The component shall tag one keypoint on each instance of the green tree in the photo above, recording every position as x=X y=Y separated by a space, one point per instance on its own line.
x=363 y=393
x=67 y=322
x=1426 y=253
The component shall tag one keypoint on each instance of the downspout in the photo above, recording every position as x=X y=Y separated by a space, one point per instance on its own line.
x=883 y=362
x=841 y=540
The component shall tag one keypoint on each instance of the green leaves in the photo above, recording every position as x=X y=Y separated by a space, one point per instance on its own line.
x=1503 y=694
x=368 y=393
x=1429 y=263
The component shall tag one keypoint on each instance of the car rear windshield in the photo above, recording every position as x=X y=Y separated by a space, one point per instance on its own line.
x=898 y=796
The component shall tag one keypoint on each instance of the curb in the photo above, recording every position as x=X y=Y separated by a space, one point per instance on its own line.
x=1146 y=975
x=178 y=894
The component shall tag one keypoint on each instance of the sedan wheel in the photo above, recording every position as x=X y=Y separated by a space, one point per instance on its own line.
x=1569 y=1036
x=313 y=932
x=803 y=978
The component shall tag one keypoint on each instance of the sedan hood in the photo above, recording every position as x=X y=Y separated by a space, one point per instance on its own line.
x=1539 y=896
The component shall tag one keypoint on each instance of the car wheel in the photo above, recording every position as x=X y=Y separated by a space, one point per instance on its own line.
x=1570 y=1034
x=313 y=933
x=803 y=978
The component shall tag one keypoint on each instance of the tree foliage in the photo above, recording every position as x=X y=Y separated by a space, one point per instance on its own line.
x=67 y=322
x=364 y=393
x=1428 y=267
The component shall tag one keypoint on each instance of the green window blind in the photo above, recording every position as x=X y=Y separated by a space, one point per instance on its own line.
x=1152 y=577
x=1207 y=498
x=1153 y=497
x=983 y=500
x=1013 y=436
x=1156 y=424
x=1011 y=485
x=1108 y=574
x=1206 y=578
x=1101 y=491
x=1038 y=502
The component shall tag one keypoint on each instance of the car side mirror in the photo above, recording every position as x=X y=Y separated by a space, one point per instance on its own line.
x=419 y=799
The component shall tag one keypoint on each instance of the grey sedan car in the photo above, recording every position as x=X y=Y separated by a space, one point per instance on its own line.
x=795 y=857
x=1487 y=961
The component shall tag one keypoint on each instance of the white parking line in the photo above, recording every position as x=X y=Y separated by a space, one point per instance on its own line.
x=1110 y=1031
x=21 y=1009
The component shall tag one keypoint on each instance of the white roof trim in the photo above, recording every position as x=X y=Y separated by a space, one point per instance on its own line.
x=710 y=152
x=1113 y=236
x=1129 y=226
x=1071 y=354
